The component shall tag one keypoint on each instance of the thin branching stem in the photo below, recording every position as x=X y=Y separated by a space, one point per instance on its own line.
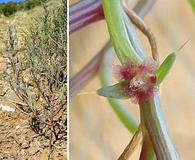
x=139 y=23
x=132 y=144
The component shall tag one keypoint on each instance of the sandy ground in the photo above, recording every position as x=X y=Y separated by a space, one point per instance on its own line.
x=95 y=131
x=19 y=142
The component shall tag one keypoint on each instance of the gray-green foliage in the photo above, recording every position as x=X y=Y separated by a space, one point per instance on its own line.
x=38 y=72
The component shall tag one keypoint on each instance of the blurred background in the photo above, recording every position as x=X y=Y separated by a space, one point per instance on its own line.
x=95 y=131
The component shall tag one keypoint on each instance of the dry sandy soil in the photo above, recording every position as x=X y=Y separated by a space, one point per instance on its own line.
x=17 y=140
x=95 y=131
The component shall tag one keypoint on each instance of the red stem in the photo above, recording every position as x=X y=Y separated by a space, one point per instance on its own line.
x=89 y=71
x=83 y=13
x=147 y=151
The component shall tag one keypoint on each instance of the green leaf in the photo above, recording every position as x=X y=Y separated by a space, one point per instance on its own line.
x=164 y=68
x=114 y=91
x=192 y=2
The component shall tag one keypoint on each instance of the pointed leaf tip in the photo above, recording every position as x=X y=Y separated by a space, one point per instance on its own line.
x=183 y=45
x=114 y=91
x=165 y=67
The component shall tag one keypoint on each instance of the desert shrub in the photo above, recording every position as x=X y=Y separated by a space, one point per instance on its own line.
x=9 y=8
x=38 y=74
x=32 y=3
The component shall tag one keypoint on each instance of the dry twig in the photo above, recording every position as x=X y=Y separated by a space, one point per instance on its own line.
x=139 y=23
x=132 y=144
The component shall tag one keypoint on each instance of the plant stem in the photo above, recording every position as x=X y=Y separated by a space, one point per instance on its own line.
x=147 y=152
x=154 y=123
x=120 y=110
x=152 y=115
x=83 y=13
x=139 y=23
x=132 y=145
x=86 y=12
x=114 y=15
x=143 y=6
x=88 y=72
x=91 y=69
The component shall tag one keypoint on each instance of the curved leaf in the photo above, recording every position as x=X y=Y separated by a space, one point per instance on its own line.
x=114 y=91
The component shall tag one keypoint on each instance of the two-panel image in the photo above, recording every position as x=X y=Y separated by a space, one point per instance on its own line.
x=97 y=79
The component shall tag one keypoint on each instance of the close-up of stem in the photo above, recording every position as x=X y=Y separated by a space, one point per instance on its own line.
x=120 y=110
x=84 y=13
x=132 y=145
x=123 y=56
x=156 y=127
x=139 y=23
x=141 y=8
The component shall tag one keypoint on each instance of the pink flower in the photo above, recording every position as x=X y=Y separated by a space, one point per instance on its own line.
x=141 y=79
x=125 y=72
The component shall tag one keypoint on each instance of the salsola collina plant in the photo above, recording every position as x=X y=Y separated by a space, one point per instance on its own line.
x=140 y=87
x=38 y=73
x=136 y=81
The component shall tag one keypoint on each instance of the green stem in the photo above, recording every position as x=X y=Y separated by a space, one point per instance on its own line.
x=147 y=152
x=120 y=110
x=155 y=126
x=114 y=16
x=152 y=115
